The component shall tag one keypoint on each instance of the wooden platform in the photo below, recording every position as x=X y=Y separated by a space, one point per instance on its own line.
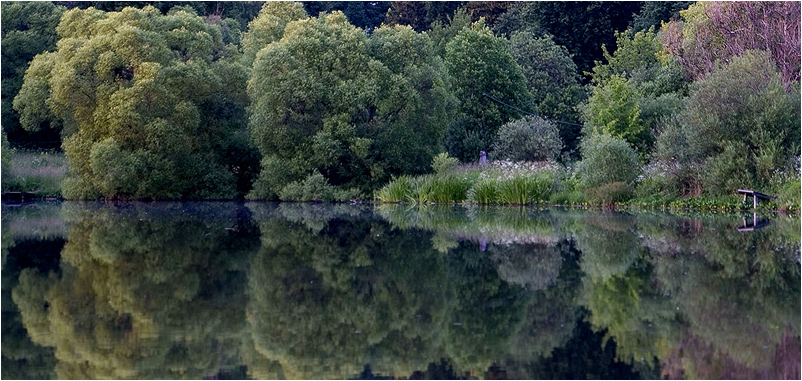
x=755 y=196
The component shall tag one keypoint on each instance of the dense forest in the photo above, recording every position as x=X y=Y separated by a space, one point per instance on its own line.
x=334 y=100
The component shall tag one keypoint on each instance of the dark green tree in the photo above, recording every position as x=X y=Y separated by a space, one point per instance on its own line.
x=327 y=99
x=654 y=13
x=481 y=63
x=582 y=27
x=28 y=28
x=552 y=79
x=367 y=15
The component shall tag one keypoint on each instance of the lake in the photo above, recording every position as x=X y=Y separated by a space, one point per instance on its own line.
x=224 y=290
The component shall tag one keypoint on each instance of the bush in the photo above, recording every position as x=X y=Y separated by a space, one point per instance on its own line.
x=610 y=193
x=314 y=188
x=443 y=163
x=528 y=139
x=567 y=198
x=607 y=159
x=789 y=196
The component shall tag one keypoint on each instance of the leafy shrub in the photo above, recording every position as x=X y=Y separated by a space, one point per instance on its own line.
x=789 y=196
x=610 y=193
x=528 y=139
x=607 y=159
x=728 y=171
x=443 y=163
x=573 y=197
x=314 y=188
x=710 y=203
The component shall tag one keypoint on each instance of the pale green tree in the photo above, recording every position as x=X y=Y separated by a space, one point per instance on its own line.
x=149 y=104
x=269 y=26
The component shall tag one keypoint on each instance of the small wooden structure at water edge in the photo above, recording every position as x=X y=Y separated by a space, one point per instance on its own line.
x=755 y=196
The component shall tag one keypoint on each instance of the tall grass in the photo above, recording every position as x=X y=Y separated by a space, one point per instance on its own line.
x=485 y=191
x=477 y=185
x=40 y=173
x=397 y=190
x=525 y=189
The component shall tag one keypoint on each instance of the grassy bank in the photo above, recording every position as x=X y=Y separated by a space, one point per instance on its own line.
x=37 y=172
x=504 y=182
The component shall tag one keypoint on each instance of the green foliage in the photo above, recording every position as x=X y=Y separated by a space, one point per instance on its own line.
x=269 y=26
x=552 y=79
x=6 y=161
x=414 y=103
x=443 y=163
x=788 y=198
x=654 y=13
x=481 y=63
x=528 y=139
x=525 y=189
x=440 y=188
x=581 y=27
x=740 y=111
x=141 y=99
x=610 y=193
x=443 y=31
x=607 y=159
x=397 y=190
x=28 y=29
x=613 y=109
x=357 y=110
x=574 y=197
x=484 y=191
x=314 y=188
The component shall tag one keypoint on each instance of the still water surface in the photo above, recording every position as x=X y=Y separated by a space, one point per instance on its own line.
x=261 y=290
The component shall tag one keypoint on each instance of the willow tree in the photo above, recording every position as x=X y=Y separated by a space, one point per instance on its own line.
x=148 y=103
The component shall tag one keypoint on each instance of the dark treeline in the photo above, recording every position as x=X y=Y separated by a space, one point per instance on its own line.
x=331 y=100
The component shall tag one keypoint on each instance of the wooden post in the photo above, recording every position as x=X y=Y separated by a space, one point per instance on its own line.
x=482 y=157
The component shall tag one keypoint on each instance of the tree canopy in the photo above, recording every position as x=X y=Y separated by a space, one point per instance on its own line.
x=148 y=103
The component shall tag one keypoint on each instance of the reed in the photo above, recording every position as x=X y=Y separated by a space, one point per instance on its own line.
x=398 y=190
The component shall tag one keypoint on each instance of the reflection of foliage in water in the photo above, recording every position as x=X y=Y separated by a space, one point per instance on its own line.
x=158 y=291
x=145 y=291
x=696 y=281
x=738 y=291
x=22 y=358
x=331 y=296
x=500 y=225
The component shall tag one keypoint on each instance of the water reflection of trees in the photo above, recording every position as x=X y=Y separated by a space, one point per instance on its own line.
x=321 y=291
x=143 y=291
x=328 y=299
